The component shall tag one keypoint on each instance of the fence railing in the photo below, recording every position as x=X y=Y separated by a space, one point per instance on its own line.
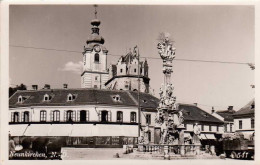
x=187 y=149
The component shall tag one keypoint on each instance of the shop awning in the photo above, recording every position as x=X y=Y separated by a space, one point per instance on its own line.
x=115 y=130
x=17 y=129
x=82 y=130
x=210 y=136
x=60 y=130
x=203 y=136
x=37 y=130
x=248 y=135
x=187 y=135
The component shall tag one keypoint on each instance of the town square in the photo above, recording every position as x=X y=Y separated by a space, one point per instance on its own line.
x=131 y=82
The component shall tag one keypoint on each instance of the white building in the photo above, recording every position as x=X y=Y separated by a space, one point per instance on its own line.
x=244 y=119
x=95 y=72
x=81 y=113
x=227 y=117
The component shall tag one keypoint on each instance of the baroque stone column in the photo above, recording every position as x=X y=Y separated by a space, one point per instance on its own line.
x=168 y=118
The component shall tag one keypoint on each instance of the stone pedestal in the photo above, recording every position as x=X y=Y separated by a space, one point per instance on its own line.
x=166 y=152
x=181 y=142
x=212 y=150
x=197 y=149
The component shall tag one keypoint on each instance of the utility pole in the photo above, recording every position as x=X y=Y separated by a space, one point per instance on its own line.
x=138 y=96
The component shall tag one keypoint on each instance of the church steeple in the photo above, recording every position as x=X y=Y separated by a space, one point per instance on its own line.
x=95 y=37
x=95 y=72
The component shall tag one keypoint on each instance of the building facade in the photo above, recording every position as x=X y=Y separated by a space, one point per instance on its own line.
x=227 y=117
x=244 y=119
x=109 y=118
x=124 y=75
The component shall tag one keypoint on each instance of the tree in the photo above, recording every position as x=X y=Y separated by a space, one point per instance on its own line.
x=18 y=87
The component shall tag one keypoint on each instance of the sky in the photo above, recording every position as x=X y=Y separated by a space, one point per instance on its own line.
x=214 y=33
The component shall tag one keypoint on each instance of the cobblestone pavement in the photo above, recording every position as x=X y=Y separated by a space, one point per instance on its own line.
x=108 y=154
x=90 y=153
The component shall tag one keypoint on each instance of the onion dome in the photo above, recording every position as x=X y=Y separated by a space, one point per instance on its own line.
x=95 y=22
x=95 y=37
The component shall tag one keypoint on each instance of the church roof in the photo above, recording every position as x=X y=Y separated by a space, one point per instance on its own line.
x=83 y=96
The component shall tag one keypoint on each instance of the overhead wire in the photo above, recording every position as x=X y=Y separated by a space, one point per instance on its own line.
x=147 y=57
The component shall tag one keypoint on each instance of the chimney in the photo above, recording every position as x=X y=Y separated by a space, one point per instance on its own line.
x=196 y=104
x=65 y=86
x=35 y=87
x=213 y=110
x=230 y=108
x=47 y=86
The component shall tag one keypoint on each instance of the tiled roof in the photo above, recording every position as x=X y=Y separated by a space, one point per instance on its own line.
x=194 y=113
x=248 y=109
x=226 y=114
x=84 y=96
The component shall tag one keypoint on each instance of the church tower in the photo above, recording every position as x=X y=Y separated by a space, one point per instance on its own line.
x=124 y=74
x=95 y=72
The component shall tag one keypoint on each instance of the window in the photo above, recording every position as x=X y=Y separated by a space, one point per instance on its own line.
x=43 y=115
x=105 y=116
x=20 y=99
x=148 y=119
x=121 y=70
x=252 y=123
x=135 y=70
x=96 y=58
x=119 y=116
x=25 y=116
x=133 y=117
x=217 y=128
x=96 y=78
x=70 y=117
x=149 y=136
x=202 y=127
x=71 y=97
x=116 y=98
x=225 y=127
x=141 y=70
x=46 y=97
x=15 y=117
x=240 y=124
x=210 y=129
x=83 y=116
x=56 y=116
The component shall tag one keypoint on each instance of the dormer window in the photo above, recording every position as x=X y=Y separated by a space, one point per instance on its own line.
x=252 y=106
x=46 y=97
x=20 y=99
x=116 y=98
x=71 y=97
x=206 y=115
x=145 y=101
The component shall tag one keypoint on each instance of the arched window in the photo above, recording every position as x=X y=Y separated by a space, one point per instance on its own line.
x=20 y=99
x=46 y=97
x=96 y=58
x=56 y=116
x=133 y=117
x=43 y=115
x=15 y=117
x=71 y=97
x=26 y=116
x=70 y=117
x=119 y=116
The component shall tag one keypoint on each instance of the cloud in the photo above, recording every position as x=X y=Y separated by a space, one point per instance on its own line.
x=73 y=67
